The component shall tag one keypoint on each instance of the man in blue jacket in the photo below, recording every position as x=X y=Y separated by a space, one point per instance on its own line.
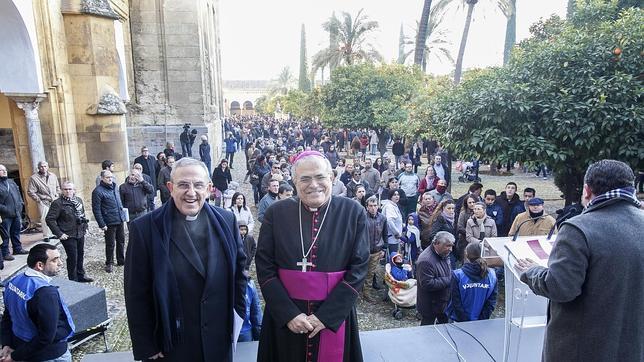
x=493 y=209
x=231 y=148
x=36 y=322
x=110 y=216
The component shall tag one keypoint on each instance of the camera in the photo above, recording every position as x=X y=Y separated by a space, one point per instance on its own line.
x=82 y=220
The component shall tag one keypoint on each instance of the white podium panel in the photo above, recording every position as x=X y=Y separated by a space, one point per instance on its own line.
x=523 y=309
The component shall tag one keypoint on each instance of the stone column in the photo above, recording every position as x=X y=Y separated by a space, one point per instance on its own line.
x=29 y=104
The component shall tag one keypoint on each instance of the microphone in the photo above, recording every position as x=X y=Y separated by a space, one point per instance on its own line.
x=568 y=212
x=516 y=233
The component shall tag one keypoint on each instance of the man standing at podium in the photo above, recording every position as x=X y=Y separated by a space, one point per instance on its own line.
x=595 y=274
x=312 y=259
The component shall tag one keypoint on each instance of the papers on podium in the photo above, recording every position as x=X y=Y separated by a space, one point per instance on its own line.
x=537 y=248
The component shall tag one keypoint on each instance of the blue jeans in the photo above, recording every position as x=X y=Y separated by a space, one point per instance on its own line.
x=11 y=226
x=374 y=147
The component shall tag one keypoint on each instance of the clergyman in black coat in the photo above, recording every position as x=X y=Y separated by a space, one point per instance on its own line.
x=184 y=280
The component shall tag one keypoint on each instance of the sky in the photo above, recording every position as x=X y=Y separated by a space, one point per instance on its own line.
x=260 y=37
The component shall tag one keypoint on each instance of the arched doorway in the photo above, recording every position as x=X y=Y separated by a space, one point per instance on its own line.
x=235 y=108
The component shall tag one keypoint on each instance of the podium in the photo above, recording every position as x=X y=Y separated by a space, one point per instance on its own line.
x=525 y=312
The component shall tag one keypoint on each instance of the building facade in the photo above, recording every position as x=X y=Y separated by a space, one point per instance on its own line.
x=81 y=82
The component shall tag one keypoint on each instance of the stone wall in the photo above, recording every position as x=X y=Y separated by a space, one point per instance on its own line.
x=176 y=62
x=156 y=137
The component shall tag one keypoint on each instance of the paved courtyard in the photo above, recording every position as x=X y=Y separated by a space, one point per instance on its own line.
x=371 y=316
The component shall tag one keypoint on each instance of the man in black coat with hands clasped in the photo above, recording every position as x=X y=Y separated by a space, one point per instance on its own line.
x=67 y=220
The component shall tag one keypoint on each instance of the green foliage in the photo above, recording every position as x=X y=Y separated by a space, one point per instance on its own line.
x=368 y=96
x=570 y=95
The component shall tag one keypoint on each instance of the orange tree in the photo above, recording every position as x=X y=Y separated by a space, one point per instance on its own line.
x=572 y=94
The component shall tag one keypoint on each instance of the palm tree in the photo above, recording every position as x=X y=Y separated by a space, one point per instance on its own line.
x=509 y=9
x=353 y=44
x=461 y=50
x=436 y=41
x=283 y=83
x=422 y=34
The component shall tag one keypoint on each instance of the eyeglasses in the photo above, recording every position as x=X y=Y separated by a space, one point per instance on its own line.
x=317 y=178
x=185 y=186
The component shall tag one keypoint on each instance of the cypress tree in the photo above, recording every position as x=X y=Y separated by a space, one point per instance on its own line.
x=304 y=81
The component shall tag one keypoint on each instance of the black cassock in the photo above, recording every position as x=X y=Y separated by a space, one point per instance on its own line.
x=342 y=245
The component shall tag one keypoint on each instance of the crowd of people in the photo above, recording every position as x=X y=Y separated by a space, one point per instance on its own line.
x=390 y=208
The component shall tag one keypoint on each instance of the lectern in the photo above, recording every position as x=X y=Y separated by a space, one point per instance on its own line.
x=525 y=312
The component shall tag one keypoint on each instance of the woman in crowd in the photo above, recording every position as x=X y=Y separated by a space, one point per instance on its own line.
x=479 y=226
x=378 y=165
x=242 y=212
x=332 y=156
x=465 y=214
x=474 y=288
x=429 y=182
x=443 y=220
x=221 y=176
x=391 y=211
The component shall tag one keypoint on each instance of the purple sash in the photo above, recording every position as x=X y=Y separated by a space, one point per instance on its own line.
x=316 y=286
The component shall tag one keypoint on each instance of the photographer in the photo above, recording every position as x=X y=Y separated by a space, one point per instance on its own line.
x=66 y=219
x=186 y=140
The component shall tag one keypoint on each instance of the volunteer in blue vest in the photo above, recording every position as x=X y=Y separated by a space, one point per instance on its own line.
x=474 y=288
x=36 y=322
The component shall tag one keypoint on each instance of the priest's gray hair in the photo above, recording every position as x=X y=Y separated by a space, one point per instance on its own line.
x=327 y=164
x=187 y=162
x=443 y=237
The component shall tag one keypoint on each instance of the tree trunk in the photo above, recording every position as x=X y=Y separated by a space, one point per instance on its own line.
x=382 y=141
x=510 y=32
x=461 y=49
x=493 y=168
x=570 y=182
x=421 y=37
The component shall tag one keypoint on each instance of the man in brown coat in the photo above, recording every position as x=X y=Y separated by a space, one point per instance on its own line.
x=44 y=189
x=533 y=221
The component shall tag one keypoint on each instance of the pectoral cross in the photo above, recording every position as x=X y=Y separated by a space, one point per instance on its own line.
x=304 y=264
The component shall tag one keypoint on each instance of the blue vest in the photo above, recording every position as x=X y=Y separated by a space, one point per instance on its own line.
x=16 y=295
x=473 y=293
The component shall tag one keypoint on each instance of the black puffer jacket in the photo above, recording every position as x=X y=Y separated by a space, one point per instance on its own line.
x=62 y=219
x=10 y=200
x=106 y=205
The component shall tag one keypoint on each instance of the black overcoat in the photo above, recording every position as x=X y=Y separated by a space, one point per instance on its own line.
x=153 y=296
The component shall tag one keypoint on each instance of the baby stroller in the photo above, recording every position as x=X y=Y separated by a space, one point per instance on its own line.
x=471 y=172
x=402 y=293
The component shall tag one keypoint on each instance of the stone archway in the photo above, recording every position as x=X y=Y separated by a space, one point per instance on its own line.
x=20 y=71
x=235 y=108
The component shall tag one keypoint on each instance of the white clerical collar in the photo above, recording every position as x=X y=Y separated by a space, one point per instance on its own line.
x=191 y=218
x=35 y=273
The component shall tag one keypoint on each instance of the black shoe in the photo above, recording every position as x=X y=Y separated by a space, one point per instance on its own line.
x=21 y=252
x=108 y=268
x=85 y=280
x=8 y=257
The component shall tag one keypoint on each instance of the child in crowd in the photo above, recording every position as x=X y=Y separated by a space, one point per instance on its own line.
x=399 y=271
x=250 y=245
x=253 y=321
